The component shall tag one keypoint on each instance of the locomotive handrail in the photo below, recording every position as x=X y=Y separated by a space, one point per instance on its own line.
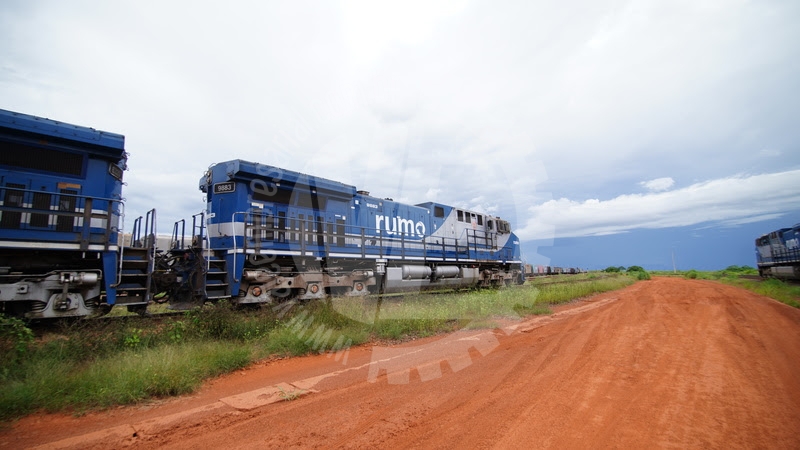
x=70 y=209
x=260 y=227
x=81 y=201
x=136 y=231
x=233 y=238
x=783 y=256
x=120 y=236
x=204 y=243
x=197 y=238
x=202 y=235
x=178 y=244
x=150 y=228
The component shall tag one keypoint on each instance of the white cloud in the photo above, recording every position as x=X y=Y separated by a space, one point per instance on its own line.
x=468 y=103
x=659 y=184
x=726 y=201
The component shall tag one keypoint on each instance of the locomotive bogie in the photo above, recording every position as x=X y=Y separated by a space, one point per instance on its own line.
x=265 y=286
x=787 y=272
x=54 y=294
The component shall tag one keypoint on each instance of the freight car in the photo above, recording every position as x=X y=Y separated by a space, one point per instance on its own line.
x=267 y=234
x=778 y=253
x=538 y=270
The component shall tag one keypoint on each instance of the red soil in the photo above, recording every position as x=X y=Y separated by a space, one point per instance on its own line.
x=663 y=363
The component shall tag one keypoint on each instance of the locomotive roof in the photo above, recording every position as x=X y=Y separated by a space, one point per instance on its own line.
x=26 y=125
x=242 y=169
x=429 y=205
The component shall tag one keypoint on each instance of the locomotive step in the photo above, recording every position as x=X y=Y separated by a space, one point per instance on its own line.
x=135 y=256
x=131 y=287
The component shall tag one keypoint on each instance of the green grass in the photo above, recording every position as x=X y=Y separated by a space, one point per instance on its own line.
x=92 y=364
x=123 y=378
x=772 y=288
x=556 y=293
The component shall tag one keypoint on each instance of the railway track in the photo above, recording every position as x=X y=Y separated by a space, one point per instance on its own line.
x=41 y=326
x=751 y=277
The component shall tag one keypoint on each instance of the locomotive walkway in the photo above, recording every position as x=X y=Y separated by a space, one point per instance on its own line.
x=663 y=363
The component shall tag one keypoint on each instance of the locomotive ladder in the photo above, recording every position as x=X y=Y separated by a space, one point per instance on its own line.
x=216 y=273
x=136 y=266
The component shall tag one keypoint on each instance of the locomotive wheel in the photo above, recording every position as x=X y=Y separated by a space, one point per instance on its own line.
x=101 y=310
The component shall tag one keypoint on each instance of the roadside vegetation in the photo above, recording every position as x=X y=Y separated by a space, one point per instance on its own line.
x=87 y=364
x=636 y=271
x=743 y=277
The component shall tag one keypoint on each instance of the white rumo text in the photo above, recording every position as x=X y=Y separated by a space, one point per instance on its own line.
x=399 y=225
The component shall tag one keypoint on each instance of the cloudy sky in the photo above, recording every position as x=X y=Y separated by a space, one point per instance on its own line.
x=607 y=132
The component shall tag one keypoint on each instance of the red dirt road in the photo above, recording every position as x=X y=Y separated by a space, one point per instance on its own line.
x=663 y=363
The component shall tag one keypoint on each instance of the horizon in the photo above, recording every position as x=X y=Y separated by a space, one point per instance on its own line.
x=606 y=132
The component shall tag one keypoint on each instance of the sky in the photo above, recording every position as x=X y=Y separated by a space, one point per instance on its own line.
x=655 y=133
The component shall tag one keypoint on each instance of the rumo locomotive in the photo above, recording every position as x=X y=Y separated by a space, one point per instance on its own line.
x=267 y=234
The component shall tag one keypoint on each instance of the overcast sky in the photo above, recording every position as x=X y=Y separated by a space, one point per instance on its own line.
x=572 y=119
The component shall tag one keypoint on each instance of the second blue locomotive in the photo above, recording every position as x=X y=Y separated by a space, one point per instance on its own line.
x=778 y=253
x=284 y=234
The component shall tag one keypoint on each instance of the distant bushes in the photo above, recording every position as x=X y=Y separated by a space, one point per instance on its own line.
x=637 y=272
x=641 y=275
x=728 y=272
x=739 y=270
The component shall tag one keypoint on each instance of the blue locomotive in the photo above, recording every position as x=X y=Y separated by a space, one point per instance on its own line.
x=778 y=253
x=60 y=212
x=280 y=234
x=267 y=234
